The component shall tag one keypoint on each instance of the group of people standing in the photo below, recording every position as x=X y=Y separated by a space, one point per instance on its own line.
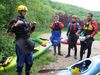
x=22 y=30
x=88 y=30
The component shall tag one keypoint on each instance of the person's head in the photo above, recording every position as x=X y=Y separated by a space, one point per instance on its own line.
x=89 y=16
x=74 y=18
x=22 y=10
x=56 y=18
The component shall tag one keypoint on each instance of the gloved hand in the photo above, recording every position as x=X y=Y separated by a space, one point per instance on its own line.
x=33 y=25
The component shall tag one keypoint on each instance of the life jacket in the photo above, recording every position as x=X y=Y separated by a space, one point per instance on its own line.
x=91 y=28
x=21 y=31
x=56 y=26
x=55 y=37
x=73 y=27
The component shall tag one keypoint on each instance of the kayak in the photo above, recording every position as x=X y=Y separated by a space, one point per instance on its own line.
x=98 y=73
x=88 y=66
x=37 y=51
x=65 y=41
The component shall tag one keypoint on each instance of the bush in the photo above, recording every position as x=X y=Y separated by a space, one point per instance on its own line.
x=6 y=46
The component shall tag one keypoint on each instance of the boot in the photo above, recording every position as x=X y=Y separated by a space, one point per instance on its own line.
x=75 y=54
x=75 y=57
x=27 y=73
x=59 y=52
x=54 y=50
x=68 y=55
x=19 y=73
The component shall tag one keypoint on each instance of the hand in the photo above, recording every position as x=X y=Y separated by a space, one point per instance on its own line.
x=56 y=21
x=88 y=36
x=19 y=22
x=34 y=23
x=77 y=34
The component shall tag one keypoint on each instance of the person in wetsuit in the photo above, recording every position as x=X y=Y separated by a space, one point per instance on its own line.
x=22 y=30
x=55 y=38
x=72 y=34
x=89 y=30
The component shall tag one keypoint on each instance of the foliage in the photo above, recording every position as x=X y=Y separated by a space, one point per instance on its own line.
x=40 y=11
x=6 y=46
x=74 y=10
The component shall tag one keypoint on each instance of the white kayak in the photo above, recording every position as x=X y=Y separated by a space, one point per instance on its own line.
x=92 y=67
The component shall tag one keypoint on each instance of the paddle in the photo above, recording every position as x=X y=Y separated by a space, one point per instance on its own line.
x=50 y=70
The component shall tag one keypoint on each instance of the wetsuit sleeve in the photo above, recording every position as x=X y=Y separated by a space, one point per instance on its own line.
x=61 y=25
x=95 y=27
x=33 y=25
x=25 y=23
x=78 y=26
x=68 y=29
x=52 y=25
x=10 y=30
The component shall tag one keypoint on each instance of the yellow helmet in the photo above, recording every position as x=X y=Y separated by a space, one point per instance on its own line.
x=22 y=7
x=76 y=71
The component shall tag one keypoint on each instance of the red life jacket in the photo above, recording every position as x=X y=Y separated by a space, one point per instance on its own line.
x=73 y=27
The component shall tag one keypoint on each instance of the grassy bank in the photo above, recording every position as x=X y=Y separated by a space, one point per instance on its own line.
x=97 y=37
x=45 y=59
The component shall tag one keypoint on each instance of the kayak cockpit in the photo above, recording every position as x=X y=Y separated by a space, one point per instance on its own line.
x=83 y=66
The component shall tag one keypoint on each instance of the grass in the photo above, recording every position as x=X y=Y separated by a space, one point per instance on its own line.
x=40 y=62
x=97 y=37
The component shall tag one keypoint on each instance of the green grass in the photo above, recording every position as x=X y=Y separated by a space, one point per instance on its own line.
x=97 y=37
x=40 y=62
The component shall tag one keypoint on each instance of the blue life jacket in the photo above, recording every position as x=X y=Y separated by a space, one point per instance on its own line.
x=55 y=37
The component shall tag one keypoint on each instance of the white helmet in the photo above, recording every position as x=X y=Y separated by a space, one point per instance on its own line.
x=82 y=38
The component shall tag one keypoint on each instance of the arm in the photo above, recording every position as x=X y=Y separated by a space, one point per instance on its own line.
x=79 y=29
x=68 y=29
x=19 y=22
x=95 y=27
x=61 y=25
x=52 y=25
x=32 y=26
x=10 y=30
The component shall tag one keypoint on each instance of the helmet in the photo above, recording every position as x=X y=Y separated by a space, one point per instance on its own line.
x=75 y=71
x=22 y=7
x=74 y=16
x=82 y=38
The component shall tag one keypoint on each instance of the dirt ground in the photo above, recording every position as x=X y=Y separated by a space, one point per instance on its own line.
x=63 y=62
